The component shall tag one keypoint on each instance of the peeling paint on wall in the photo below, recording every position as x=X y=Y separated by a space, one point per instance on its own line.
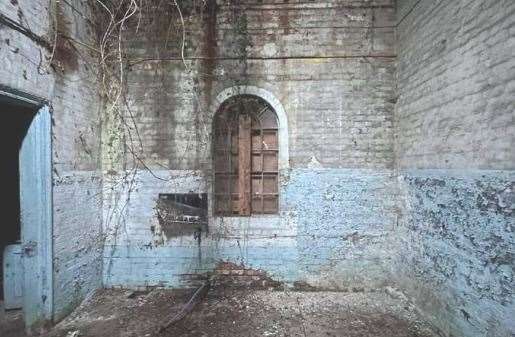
x=333 y=232
x=458 y=237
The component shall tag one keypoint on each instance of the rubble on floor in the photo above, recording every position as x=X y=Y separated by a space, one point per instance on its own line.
x=235 y=312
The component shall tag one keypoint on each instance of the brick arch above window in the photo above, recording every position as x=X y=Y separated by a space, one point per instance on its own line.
x=271 y=99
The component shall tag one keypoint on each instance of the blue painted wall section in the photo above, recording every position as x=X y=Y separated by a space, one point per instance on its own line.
x=344 y=218
x=458 y=249
x=77 y=247
x=333 y=232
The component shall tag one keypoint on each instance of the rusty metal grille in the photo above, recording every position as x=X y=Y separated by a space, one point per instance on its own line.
x=182 y=213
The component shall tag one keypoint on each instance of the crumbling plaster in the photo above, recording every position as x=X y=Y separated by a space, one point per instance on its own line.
x=397 y=164
x=455 y=135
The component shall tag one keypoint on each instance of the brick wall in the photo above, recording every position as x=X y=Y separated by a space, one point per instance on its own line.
x=331 y=66
x=333 y=232
x=69 y=85
x=455 y=134
x=456 y=84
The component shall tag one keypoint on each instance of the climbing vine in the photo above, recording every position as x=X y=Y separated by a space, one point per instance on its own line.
x=174 y=43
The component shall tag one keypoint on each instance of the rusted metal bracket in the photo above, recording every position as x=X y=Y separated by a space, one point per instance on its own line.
x=28 y=249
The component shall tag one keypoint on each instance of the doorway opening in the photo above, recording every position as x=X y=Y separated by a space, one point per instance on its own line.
x=26 y=222
x=17 y=120
x=12 y=132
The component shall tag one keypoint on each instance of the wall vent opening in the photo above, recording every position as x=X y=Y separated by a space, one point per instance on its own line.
x=181 y=214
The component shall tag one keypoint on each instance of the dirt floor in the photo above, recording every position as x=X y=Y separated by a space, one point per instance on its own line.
x=231 y=313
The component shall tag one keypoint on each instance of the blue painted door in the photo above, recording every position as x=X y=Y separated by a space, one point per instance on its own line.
x=13 y=277
x=36 y=219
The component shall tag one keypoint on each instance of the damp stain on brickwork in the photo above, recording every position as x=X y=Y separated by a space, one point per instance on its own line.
x=209 y=49
x=284 y=21
x=66 y=58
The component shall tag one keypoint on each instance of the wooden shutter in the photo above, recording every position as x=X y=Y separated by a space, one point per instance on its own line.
x=246 y=158
x=265 y=150
x=244 y=164
x=226 y=191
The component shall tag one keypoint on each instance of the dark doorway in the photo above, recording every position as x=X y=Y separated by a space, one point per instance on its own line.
x=13 y=128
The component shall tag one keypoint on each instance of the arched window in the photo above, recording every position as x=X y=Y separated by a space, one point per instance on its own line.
x=246 y=153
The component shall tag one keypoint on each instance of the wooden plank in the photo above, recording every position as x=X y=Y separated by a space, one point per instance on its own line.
x=231 y=165
x=244 y=163
x=261 y=210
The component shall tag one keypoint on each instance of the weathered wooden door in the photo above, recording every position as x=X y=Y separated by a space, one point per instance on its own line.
x=36 y=219
x=13 y=277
